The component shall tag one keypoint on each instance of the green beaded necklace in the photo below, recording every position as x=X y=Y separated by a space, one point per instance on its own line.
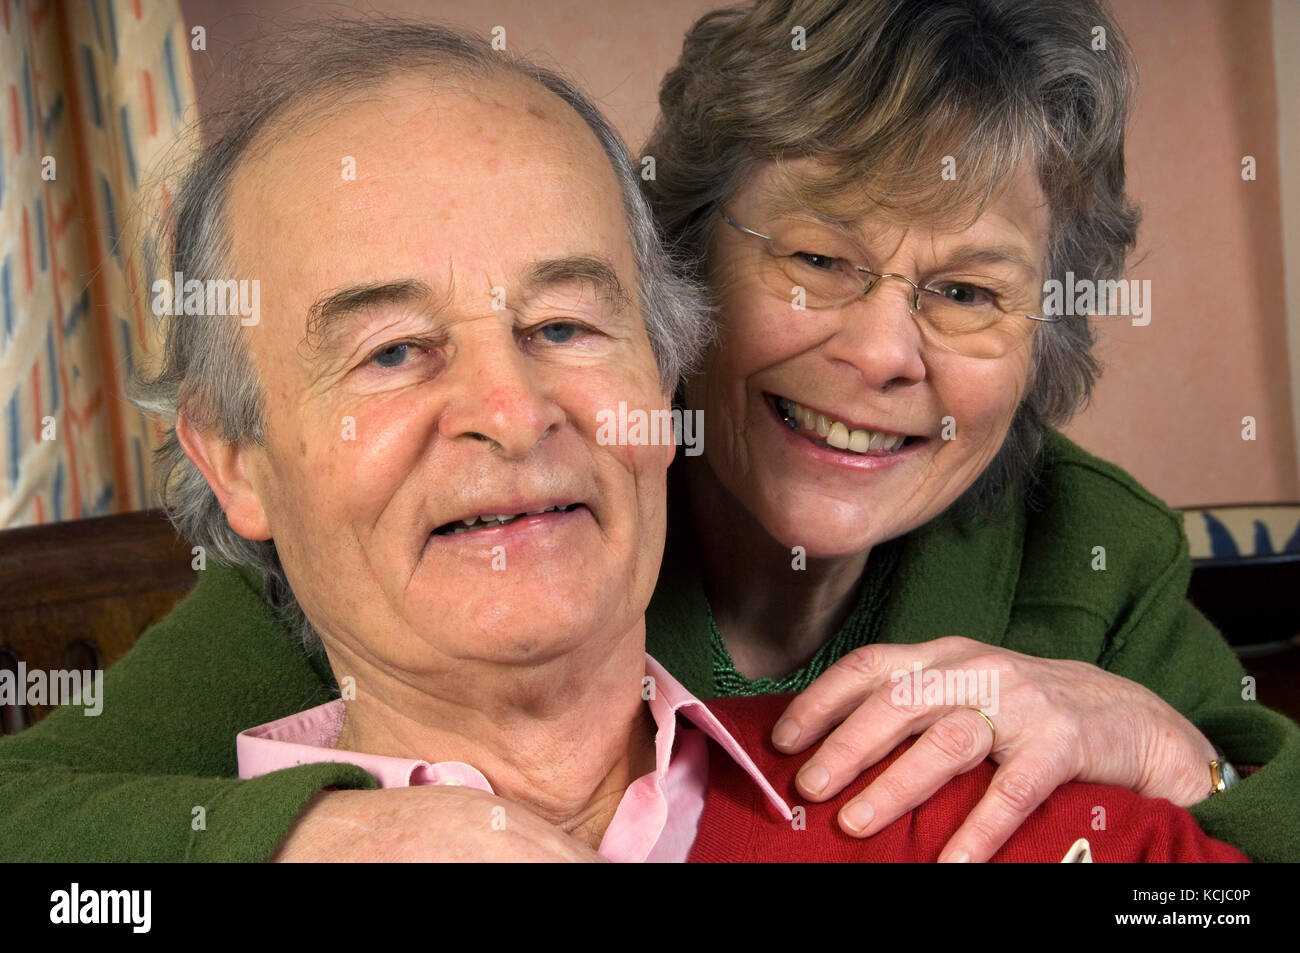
x=861 y=628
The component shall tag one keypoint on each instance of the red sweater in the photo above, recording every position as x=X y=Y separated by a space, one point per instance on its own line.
x=740 y=825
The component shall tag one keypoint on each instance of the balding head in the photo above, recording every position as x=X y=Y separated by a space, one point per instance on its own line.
x=287 y=129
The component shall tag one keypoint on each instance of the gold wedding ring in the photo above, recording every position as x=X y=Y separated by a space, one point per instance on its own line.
x=992 y=727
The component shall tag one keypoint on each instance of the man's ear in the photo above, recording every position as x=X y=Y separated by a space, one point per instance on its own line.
x=226 y=468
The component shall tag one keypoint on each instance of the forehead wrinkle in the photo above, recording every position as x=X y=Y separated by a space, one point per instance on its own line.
x=823 y=194
x=784 y=202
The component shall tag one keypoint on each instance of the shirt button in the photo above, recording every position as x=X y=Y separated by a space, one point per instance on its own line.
x=451 y=782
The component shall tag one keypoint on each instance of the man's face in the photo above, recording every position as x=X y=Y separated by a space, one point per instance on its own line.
x=439 y=334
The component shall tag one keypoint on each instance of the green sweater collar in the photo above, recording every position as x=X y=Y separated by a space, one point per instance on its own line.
x=951 y=579
x=317 y=658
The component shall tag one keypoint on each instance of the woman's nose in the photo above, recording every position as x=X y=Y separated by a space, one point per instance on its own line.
x=878 y=334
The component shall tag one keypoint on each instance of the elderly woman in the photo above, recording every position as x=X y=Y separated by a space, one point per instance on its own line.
x=875 y=192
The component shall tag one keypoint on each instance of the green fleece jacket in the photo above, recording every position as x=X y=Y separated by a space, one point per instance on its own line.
x=154 y=776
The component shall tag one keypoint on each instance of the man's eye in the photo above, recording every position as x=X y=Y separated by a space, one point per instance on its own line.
x=820 y=262
x=559 y=332
x=392 y=356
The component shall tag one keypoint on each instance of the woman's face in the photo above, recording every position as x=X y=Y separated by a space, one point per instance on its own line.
x=933 y=417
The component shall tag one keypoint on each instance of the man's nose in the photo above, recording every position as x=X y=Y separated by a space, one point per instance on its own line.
x=879 y=335
x=499 y=395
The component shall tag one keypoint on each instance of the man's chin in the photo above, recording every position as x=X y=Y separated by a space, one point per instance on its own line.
x=505 y=639
x=521 y=615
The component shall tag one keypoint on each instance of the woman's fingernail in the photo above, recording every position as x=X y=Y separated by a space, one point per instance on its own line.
x=857 y=816
x=814 y=778
x=786 y=733
x=956 y=857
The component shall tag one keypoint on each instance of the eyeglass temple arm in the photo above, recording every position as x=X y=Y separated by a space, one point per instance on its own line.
x=736 y=225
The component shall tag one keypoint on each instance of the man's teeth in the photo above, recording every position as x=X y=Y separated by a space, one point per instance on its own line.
x=836 y=434
x=488 y=520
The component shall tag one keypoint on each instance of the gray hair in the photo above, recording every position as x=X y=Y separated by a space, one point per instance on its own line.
x=206 y=372
x=882 y=92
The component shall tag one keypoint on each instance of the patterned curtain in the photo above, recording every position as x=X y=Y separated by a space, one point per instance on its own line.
x=93 y=94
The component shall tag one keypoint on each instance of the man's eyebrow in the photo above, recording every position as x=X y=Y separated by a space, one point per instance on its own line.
x=327 y=317
x=594 y=270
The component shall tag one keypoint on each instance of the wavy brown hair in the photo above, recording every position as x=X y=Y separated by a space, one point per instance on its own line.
x=883 y=91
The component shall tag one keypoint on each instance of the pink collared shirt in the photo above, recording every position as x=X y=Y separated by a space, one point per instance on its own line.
x=656 y=820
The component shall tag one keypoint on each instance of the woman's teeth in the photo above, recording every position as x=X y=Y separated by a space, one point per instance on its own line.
x=836 y=434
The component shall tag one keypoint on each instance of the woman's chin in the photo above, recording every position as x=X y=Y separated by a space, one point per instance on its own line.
x=827 y=536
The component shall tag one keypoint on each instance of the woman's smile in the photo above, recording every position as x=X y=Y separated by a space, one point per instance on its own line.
x=839 y=443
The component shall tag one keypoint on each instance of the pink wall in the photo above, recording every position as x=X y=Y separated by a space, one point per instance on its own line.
x=1170 y=404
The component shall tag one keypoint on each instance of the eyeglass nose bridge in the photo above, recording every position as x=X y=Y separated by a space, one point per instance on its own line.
x=876 y=278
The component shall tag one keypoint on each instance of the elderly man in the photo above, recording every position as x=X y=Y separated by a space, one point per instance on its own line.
x=457 y=279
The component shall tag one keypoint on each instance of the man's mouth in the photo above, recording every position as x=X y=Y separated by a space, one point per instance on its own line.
x=471 y=524
x=836 y=434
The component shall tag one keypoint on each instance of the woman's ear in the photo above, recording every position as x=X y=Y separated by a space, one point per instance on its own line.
x=227 y=468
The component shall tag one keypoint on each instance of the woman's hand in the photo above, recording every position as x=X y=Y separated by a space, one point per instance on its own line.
x=1056 y=721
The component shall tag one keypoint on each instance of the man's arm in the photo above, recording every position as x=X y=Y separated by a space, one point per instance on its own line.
x=153 y=777
x=61 y=814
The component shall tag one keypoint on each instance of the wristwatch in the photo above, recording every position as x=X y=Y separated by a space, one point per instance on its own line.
x=1222 y=774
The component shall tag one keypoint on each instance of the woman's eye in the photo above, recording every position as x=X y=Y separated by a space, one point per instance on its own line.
x=964 y=294
x=820 y=262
